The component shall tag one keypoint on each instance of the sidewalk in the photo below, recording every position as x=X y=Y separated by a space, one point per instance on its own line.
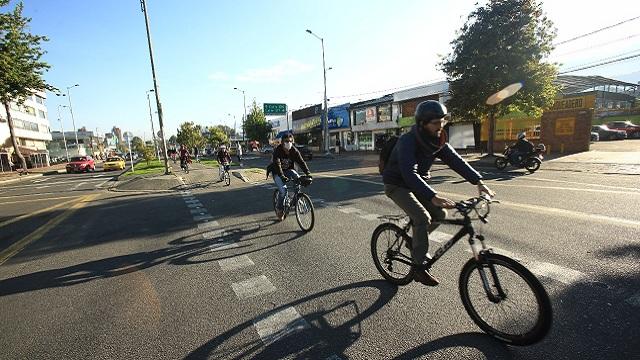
x=13 y=176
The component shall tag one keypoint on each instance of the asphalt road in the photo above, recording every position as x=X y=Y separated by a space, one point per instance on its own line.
x=208 y=273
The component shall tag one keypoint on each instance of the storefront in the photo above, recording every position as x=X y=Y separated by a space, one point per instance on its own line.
x=407 y=101
x=306 y=126
x=339 y=127
x=372 y=122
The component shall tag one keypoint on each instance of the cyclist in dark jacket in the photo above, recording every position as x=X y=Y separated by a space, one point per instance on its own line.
x=404 y=179
x=285 y=156
x=521 y=149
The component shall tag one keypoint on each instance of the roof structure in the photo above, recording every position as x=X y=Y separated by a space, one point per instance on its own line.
x=570 y=84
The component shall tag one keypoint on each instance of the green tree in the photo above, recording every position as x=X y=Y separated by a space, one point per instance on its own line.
x=21 y=69
x=190 y=135
x=256 y=126
x=502 y=42
x=216 y=136
x=137 y=144
x=227 y=130
x=148 y=152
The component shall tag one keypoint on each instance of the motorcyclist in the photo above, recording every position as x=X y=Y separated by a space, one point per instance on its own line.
x=521 y=149
x=403 y=177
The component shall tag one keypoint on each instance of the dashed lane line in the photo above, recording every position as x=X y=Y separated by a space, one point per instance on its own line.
x=253 y=287
x=235 y=263
x=276 y=326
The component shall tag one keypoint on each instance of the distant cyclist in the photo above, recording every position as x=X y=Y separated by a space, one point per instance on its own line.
x=185 y=156
x=224 y=160
x=285 y=156
x=403 y=177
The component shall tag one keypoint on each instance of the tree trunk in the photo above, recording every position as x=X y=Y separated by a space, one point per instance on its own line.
x=492 y=132
x=14 y=140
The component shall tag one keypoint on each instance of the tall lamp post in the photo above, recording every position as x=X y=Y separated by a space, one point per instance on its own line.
x=143 y=6
x=153 y=130
x=73 y=121
x=244 y=102
x=326 y=109
x=64 y=138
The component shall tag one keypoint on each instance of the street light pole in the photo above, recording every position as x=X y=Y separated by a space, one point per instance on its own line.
x=153 y=130
x=73 y=121
x=64 y=138
x=326 y=109
x=244 y=102
x=143 y=6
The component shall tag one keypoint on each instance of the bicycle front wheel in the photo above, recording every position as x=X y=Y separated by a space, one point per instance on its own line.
x=304 y=212
x=514 y=308
x=227 y=178
x=391 y=255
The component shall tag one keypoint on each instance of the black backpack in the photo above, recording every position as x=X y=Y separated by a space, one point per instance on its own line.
x=385 y=153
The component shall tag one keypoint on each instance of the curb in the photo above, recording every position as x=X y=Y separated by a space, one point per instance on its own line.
x=27 y=177
x=239 y=175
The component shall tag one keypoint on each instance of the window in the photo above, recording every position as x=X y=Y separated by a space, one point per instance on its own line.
x=30 y=110
x=42 y=114
x=44 y=128
x=39 y=100
x=359 y=117
x=384 y=113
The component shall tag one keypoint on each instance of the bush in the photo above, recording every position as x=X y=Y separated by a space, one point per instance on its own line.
x=149 y=154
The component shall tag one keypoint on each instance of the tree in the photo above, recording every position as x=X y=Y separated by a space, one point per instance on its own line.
x=227 y=130
x=502 y=42
x=256 y=126
x=148 y=152
x=137 y=144
x=190 y=135
x=216 y=136
x=21 y=69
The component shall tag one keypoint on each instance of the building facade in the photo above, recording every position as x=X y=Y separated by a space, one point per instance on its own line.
x=32 y=130
x=371 y=122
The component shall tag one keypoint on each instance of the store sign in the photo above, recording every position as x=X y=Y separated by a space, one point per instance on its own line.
x=574 y=103
x=370 y=114
x=565 y=126
x=306 y=125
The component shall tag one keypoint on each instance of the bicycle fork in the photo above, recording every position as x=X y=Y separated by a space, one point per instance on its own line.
x=483 y=263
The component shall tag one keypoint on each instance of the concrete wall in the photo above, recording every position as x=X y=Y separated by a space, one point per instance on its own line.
x=566 y=131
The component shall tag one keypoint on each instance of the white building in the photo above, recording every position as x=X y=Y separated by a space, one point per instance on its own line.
x=279 y=126
x=32 y=130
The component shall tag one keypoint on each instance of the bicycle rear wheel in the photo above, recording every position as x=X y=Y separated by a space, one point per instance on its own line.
x=304 y=212
x=518 y=311
x=390 y=255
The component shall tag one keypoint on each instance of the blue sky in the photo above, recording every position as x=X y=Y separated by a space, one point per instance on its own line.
x=203 y=49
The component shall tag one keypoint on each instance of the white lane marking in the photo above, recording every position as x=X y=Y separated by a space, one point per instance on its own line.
x=439 y=236
x=212 y=235
x=275 y=326
x=634 y=300
x=77 y=186
x=347 y=210
x=579 y=183
x=102 y=183
x=208 y=225
x=40 y=180
x=221 y=246
x=235 y=263
x=253 y=287
x=199 y=211
x=495 y=183
x=189 y=198
x=42 y=187
x=564 y=275
x=193 y=205
x=370 y=217
x=202 y=217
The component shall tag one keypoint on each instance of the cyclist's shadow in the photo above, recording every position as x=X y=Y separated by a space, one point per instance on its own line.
x=488 y=346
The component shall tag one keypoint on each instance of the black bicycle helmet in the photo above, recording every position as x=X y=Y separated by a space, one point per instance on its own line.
x=429 y=110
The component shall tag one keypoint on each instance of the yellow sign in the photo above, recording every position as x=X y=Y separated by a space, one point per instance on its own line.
x=565 y=126
x=573 y=103
x=508 y=128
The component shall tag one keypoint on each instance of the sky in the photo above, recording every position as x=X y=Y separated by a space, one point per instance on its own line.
x=203 y=49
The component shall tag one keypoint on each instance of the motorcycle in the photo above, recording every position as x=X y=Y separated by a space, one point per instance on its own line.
x=531 y=161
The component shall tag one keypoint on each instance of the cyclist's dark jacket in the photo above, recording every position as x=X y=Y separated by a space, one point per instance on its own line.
x=523 y=146
x=281 y=161
x=411 y=159
x=223 y=157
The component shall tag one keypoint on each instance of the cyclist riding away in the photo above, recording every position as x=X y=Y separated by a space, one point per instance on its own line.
x=404 y=179
x=224 y=160
x=285 y=156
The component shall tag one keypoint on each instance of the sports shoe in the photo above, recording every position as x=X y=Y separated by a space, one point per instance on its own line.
x=424 y=277
x=280 y=215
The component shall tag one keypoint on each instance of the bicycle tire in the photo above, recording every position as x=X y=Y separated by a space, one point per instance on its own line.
x=227 y=179
x=275 y=202
x=401 y=280
x=309 y=205
x=545 y=313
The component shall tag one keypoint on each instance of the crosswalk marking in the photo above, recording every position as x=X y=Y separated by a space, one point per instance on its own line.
x=253 y=287
x=278 y=325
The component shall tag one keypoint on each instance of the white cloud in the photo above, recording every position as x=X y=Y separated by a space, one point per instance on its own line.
x=220 y=75
x=274 y=73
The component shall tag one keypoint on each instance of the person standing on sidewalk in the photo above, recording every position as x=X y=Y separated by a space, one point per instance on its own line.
x=239 y=153
x=337 y=146
x=196 y=153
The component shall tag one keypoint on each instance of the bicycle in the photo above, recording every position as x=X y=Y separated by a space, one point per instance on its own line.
x=225 y=176
x=304 y=207
x=184 y=164
x=494 y=283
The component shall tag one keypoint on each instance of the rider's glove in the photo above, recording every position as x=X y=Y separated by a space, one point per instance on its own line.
x=285 y=179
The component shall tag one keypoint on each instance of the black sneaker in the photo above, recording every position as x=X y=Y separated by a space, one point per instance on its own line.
x=424 y=277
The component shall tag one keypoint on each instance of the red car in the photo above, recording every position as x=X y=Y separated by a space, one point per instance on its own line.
x=633 y=130
x=81 y=164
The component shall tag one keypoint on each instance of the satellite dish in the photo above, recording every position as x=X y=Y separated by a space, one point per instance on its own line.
x=504 y=93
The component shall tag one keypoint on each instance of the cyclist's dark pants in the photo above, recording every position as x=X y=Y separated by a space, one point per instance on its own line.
x=421 y=211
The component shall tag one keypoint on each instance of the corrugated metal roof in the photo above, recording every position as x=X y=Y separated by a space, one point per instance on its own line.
x=439 y=87
x=570 y=84
x=380 y=100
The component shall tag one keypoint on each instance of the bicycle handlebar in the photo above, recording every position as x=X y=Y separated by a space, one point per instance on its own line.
x=466 y=206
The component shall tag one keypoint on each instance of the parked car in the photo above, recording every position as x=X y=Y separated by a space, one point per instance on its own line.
x=128 y=157
x=595 y=136
x=632 y=130
x=305 y=152
x=113 y=163
x=267 y=149
x=607 y=134
x=81 y=164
